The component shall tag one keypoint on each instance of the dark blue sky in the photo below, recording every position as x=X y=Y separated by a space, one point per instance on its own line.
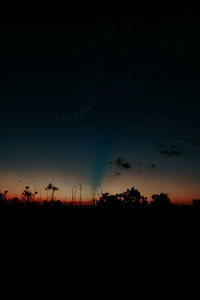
x=82 y=88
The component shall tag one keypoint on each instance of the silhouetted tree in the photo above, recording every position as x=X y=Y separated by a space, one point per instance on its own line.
x=52 y=188
x=27 y=195
x=109 y=201
x=132 y=197
x=3 y=197
x=144 y=201
x=160 y=200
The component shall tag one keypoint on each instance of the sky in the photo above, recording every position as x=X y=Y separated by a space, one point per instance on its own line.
x=81 y=90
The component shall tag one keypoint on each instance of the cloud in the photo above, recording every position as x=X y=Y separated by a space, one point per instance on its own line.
x=153 y=166
x=172 y=152
x=117 y=174
x=83 y=110
x=121 y=163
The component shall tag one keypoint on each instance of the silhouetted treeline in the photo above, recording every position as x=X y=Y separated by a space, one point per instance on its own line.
x=130 y=199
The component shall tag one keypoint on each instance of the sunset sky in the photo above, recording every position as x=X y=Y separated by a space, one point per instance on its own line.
x=80 y=90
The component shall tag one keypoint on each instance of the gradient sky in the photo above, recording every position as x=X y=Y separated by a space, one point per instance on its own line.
x=79 y=90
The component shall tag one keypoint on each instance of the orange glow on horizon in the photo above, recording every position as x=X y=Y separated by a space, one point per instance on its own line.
x=178 y=190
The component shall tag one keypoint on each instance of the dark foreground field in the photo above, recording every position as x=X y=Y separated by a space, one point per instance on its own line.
x=139 y=234
x=126 y=213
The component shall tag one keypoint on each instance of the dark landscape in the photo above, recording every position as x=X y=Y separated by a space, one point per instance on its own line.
x=100 y=113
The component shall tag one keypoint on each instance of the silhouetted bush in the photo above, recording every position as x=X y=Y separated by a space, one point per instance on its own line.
x=3 y=198
x=110 y=201
x=131 y=200
x=161 y=201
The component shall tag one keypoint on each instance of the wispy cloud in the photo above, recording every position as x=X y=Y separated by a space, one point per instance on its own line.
x=117 y=174
x=153 y=166
x=84 y=109
x=172 y=152
x=121 y=163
